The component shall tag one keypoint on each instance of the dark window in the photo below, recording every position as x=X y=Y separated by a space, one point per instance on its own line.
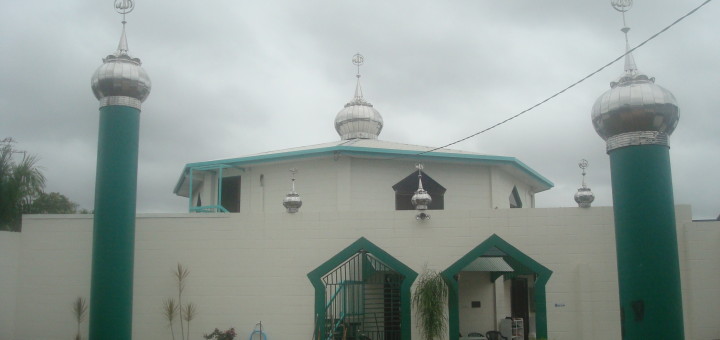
x=231 y=193
x=405 y=189
x=515 y=201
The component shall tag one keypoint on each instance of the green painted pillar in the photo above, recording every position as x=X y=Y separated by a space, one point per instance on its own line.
x=120 y=84
x=636 y=118
x=114 y=225
x=646 y=241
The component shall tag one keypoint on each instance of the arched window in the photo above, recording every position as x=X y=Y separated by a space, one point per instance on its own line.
x=515 y=201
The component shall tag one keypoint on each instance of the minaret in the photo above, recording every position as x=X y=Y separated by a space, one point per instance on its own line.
x=358 y=119
x=636 y=117
x=121 y=85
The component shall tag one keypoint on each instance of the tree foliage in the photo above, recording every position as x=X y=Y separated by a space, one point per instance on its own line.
x=52 y=203
x=21 y=185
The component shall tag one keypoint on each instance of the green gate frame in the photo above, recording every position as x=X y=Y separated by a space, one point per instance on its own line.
x=362 y=243
x=519 y=261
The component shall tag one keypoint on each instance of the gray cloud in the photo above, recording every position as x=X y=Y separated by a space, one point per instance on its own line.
x=232 y=78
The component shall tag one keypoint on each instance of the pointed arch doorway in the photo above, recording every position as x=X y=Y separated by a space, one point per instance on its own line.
x=495 y=265
x=362 y=293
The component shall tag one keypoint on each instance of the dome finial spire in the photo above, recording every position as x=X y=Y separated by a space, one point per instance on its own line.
x=123 y=7
x=623 y=6
x=358 y=60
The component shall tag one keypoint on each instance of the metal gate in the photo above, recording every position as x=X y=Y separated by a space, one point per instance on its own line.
x=362 y=300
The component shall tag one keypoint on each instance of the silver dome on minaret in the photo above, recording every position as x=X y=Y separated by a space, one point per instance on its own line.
x=121 y=78
x=358 y=119
x=635 y=110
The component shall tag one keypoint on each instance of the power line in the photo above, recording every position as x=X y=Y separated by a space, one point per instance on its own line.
x=571 y=85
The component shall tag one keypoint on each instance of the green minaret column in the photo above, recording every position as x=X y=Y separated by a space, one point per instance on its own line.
x=120 y=84
x=636 y=118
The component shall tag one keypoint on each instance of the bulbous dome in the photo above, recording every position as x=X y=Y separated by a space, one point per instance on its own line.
x=635 y=103
x=421 y=199
x=358 y=119
x=292 y=202
x=584 y=197
x=121 y=75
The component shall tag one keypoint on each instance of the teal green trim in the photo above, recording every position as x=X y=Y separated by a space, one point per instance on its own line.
x=362 y=243
x=206 y=208
x=516 y=259
x=377 y=152
x=219 y=185
x=190 y=190
x=111 y=288
x=646 y=243
x=209 y=209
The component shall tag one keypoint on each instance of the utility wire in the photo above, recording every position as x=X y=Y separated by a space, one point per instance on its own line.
x=572 y=85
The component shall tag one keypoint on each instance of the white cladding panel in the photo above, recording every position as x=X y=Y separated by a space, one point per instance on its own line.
x=249 y=267
x=10 y=243
x=344 y=183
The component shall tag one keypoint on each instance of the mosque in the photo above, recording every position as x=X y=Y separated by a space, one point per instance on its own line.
x=326 y=241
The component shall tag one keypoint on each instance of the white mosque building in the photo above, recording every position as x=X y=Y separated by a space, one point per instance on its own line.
x=326 y=242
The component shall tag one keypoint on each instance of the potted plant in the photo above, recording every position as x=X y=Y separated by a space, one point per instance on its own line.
x=429 y=299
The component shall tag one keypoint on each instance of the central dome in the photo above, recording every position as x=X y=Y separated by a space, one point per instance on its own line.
x=358 y=119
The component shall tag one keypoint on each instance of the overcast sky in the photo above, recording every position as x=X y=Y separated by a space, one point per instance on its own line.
x=232 y=78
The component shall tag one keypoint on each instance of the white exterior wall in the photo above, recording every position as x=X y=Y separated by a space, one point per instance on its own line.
x=701 y=278
x=249 y=267
x=476 y=286
x=10 y=243
x=356 y=184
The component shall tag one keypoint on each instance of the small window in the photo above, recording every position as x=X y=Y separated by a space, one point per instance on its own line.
x=405 y=189
x=230 y=197
x=515 y=201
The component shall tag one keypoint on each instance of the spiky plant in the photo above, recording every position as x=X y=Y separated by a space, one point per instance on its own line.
x=429 y=300
x=79 y=311
x=170 y=310
x=180 y=275
x=188 y=315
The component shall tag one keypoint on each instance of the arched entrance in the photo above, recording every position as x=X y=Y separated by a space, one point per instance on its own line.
x=362 y=293
x=498 y=269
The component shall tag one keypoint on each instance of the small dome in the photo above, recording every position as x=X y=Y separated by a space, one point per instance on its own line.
x=421 y=199
x=634 y=103
x=292 y=202
x=121 y=75
x=584 y=197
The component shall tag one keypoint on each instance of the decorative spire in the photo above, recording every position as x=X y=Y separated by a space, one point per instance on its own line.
x=358 y=60
x=123 y=7
x=623 y=6
x=121 y=80
x=584 y=197
x=292 y=201
x=358 y=119
x=421 y=199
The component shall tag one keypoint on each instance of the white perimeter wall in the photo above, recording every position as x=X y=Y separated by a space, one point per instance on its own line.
x=10 y=243
x=249 y=267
